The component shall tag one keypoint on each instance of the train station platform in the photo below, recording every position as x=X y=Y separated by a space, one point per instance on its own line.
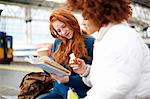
x=11 y=77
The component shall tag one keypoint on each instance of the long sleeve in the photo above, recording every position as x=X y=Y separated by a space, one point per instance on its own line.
x=116 y=65
x=75 y=81
x=86 y=76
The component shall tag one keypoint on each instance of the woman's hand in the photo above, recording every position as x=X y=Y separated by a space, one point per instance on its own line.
x=63 y=79
x=80 y=67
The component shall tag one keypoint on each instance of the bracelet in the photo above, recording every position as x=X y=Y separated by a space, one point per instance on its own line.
x=87 y=71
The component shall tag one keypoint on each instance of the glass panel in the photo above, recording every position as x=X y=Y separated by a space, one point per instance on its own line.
x=13 y=11
x=16 y=28
x=41 y=14
x=40 y=30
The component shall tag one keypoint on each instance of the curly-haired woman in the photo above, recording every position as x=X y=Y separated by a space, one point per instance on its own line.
x=69 y=39
x=121 y=60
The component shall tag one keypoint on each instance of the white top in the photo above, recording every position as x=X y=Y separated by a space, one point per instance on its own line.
x=121 y=65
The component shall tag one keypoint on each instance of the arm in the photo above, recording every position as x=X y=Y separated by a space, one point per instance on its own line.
x=115 y=69
x=82 y=83
x=82 y=69
x=114 y=79
x=76 y=81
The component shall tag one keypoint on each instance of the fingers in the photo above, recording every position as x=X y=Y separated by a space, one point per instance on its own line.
x=54 y=76
x=80 y=61
x=78 y=67
x=74 y=66
x=71 y=61
x=63 y=79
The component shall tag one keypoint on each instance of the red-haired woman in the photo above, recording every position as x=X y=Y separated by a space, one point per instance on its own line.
x=70 y=39
x=121 y=60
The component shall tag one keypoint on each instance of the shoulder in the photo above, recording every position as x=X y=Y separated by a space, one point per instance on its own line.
x=122 y=29
x=89 y=40
x=56 y=42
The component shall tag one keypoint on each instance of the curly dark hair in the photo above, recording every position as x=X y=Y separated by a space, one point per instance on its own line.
x=75 y=4
x=103 y=12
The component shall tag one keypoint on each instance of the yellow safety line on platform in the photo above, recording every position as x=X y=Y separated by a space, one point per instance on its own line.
x=21 y=68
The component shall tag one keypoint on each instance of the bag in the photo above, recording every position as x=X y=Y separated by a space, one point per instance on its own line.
x=35 y=84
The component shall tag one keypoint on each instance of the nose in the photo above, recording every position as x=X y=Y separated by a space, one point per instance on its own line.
x=63 y=32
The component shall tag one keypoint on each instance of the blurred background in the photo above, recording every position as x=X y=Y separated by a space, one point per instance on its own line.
x=24 y=28
x=27 y=21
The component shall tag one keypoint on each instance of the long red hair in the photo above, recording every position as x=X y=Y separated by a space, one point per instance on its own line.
x=74 y=45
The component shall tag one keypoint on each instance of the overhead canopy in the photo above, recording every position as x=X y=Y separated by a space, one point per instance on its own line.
x=145 y=3
x=141 y=10
x=48 y=3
